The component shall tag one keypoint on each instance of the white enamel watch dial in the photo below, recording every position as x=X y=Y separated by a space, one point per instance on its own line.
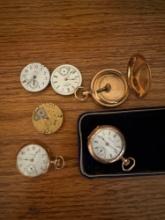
x=107 y=144
x=33 y=160
x=35 y=77
x=66 y=79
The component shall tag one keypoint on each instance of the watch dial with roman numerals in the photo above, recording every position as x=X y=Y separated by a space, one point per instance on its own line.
x=66 y=79
x=33 y=160
x=106 y=144
x=35 y=77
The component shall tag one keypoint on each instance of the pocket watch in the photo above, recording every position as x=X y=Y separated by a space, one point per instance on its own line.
x=47 y=118
x=110 y=87
x=106 y=144
x=33 y=160
x=65 y=79
x=35 y=77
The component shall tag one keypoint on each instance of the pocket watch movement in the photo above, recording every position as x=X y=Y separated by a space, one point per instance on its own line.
x=106 y=144
x=35 y=77
x=110 y=87
x=65 y=79
x=47 y=118
x=33 y=160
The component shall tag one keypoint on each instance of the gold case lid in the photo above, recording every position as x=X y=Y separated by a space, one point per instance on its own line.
x=139 y=75
x=109 y=88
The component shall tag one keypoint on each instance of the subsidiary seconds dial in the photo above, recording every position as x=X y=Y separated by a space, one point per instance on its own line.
x=66 y=79
x=35 y=77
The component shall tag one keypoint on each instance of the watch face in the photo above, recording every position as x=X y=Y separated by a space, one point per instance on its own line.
x=66 y=79
x=33 y=160
x=35 y=77
x=106 y=144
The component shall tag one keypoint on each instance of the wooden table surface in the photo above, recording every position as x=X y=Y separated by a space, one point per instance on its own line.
x=91 y=35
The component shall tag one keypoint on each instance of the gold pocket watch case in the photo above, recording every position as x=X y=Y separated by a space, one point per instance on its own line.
x=139 y=75
x=107 y=145
x=110 y=87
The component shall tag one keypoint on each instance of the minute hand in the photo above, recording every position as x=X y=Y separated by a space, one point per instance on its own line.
x=111 y=143
x=71 y=78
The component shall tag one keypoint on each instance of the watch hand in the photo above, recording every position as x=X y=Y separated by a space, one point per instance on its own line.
x=101 y=137
x=33 y=82
x=114 y=147
x=67 y=79
x=70 y=72
x=108 y=143
x=71 y=78
x=36 y=154
x=29 y=81
x=31 y=159
x=32 y=79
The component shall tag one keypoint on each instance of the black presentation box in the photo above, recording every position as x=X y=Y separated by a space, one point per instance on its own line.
x=144 y=132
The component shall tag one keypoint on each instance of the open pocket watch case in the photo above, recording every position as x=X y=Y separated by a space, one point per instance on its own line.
x=110 y=87
x=143 y=130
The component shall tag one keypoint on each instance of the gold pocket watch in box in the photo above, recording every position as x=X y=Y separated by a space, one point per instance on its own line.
x=33 y=160
x=106 y=144
x=110 y=87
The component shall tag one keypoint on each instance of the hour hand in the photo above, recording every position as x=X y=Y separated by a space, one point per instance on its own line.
x=31 y=80
x=26 y=159
x=71 y=78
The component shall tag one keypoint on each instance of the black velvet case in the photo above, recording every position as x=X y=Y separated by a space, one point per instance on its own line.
x=144 y=132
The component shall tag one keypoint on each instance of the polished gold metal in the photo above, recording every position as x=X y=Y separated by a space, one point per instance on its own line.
x=110 y=88
x=81 y=94
x=139 y=75
x=127 y=163
x=58 y=162
x=47 y=118
x=106 y=88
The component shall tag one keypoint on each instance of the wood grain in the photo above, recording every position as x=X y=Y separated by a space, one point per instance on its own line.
x=91 y=35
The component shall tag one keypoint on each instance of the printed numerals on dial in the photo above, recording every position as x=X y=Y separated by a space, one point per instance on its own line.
x=35 y=77
x=66 y=79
